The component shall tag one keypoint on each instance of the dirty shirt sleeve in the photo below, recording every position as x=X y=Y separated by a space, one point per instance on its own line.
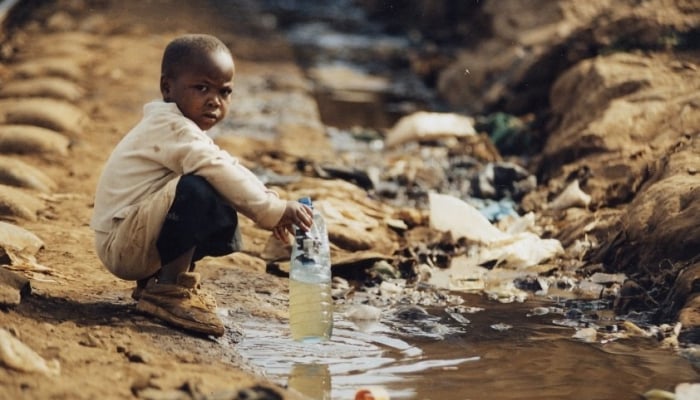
x=195 y=153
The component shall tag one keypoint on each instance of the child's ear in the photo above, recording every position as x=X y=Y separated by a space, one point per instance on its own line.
x=164 y=88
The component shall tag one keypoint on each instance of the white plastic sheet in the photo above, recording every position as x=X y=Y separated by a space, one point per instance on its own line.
x=514 y=250
x=429 y=125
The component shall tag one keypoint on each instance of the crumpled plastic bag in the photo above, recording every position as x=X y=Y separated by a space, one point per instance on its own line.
x=424 y=125
x=684 y=391
x=515 y=250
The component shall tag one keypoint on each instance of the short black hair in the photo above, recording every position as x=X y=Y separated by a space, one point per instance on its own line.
x=182 y=50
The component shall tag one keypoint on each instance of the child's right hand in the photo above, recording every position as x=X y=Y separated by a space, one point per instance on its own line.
x=297 y=214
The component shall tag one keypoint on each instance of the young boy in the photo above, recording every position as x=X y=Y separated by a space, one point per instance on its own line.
x=168 y=196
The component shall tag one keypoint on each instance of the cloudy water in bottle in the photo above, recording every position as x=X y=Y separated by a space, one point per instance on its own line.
x=310 y=301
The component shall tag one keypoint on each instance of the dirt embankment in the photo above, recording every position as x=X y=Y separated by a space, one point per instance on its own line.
x=613 y=90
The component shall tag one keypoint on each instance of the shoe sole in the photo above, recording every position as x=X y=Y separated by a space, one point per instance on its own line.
x=161 y=313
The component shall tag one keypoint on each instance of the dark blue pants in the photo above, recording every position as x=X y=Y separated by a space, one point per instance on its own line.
x=200 y=218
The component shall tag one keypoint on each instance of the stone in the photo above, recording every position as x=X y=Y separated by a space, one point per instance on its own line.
x=12 y=287
x=18 y=356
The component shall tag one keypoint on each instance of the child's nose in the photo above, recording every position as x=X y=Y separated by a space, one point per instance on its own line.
x=214 y=101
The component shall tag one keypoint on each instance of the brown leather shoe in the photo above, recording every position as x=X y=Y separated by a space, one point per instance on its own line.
x=183 y=305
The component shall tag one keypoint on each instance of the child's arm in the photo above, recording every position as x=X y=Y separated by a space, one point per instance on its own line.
x=297 y=214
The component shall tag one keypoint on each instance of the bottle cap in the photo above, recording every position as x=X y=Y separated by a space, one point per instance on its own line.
x=305 y=200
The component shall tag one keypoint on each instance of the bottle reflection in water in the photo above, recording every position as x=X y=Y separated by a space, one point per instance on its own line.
x=311 y=380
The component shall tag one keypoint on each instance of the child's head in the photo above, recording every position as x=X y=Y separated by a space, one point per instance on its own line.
x=197 y=75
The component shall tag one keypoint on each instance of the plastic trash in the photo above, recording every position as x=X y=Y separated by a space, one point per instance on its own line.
x=587 y=335
x=518 y=250
x=683 y=391
x=508 y=133
x=687 y=391
x=571 y=196
x=429 y=125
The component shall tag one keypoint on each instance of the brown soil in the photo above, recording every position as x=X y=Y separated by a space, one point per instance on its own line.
x=78 y=313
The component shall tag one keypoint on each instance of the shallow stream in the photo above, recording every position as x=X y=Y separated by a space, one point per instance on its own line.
x=495 y=351
x=502 y=352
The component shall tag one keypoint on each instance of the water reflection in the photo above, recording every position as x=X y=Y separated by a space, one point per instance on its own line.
x=338 y=368
x=534 y=358
x=311 y=380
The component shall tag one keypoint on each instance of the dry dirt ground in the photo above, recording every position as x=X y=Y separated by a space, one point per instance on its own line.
x=79 y=315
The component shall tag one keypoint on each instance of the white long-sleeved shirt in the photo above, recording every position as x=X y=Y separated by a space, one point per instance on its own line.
x=165 y=145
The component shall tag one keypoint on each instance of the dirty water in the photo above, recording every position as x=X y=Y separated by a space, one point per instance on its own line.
x=500 y=351
x=362 y=84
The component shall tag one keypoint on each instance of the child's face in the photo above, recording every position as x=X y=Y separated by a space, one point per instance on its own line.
x=202 y=90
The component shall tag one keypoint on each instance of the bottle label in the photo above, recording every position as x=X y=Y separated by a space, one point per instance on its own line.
x=309 y=247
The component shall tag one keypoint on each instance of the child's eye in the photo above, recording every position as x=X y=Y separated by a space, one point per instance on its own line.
x=201 y=88
x=226 y=92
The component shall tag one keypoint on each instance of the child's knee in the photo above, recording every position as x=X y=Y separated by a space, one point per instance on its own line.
x=195 y=187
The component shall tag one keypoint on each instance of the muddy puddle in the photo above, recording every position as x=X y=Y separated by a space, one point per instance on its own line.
x=499 y=351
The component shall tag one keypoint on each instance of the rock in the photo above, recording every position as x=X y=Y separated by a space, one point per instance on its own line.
x=255 y=392
x=355 y=222
x=18 y=356
x=12 y=287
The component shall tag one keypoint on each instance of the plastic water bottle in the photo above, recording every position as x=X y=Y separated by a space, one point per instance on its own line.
x=310 y=301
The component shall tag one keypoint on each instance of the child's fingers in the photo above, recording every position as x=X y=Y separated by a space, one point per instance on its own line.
x=280 y=232
x=303 y=217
